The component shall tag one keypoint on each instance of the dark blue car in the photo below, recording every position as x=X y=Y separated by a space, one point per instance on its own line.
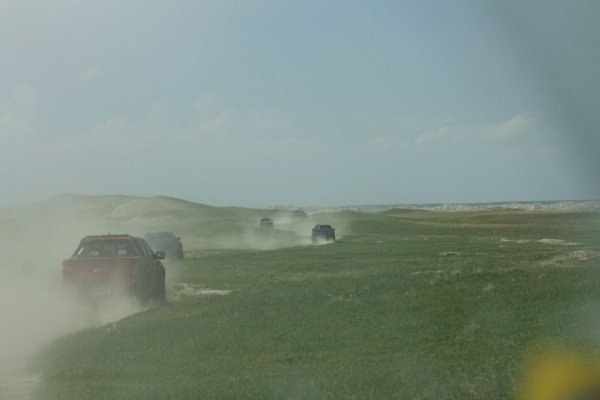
x=323 y=233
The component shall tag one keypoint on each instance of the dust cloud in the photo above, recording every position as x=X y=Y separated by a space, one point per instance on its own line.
x=35 y=307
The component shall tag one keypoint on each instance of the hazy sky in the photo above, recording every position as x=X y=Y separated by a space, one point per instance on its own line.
x=302 y=102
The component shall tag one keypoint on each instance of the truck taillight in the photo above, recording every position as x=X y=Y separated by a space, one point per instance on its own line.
x=66 y=272
x=133 y=270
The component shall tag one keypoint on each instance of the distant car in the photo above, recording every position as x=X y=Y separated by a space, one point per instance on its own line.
x=265 y=222
x=299 y=214
x=323 y=233
x=166 y=242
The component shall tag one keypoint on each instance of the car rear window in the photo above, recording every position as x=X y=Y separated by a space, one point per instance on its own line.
x=96 y=248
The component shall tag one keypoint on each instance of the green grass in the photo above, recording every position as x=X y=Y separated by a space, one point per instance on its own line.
x=406 y=305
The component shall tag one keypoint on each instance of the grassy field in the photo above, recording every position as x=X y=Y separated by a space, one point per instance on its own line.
x=406 y=305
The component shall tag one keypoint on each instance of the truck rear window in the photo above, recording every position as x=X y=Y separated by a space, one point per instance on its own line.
x=95 y=248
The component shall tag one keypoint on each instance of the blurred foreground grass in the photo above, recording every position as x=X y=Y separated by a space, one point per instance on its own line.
x=407 y=305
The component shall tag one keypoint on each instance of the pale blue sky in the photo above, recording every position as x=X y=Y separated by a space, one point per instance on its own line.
x=300 y=102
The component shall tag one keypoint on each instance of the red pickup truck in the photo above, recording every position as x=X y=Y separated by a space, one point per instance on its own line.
x=107 y=264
